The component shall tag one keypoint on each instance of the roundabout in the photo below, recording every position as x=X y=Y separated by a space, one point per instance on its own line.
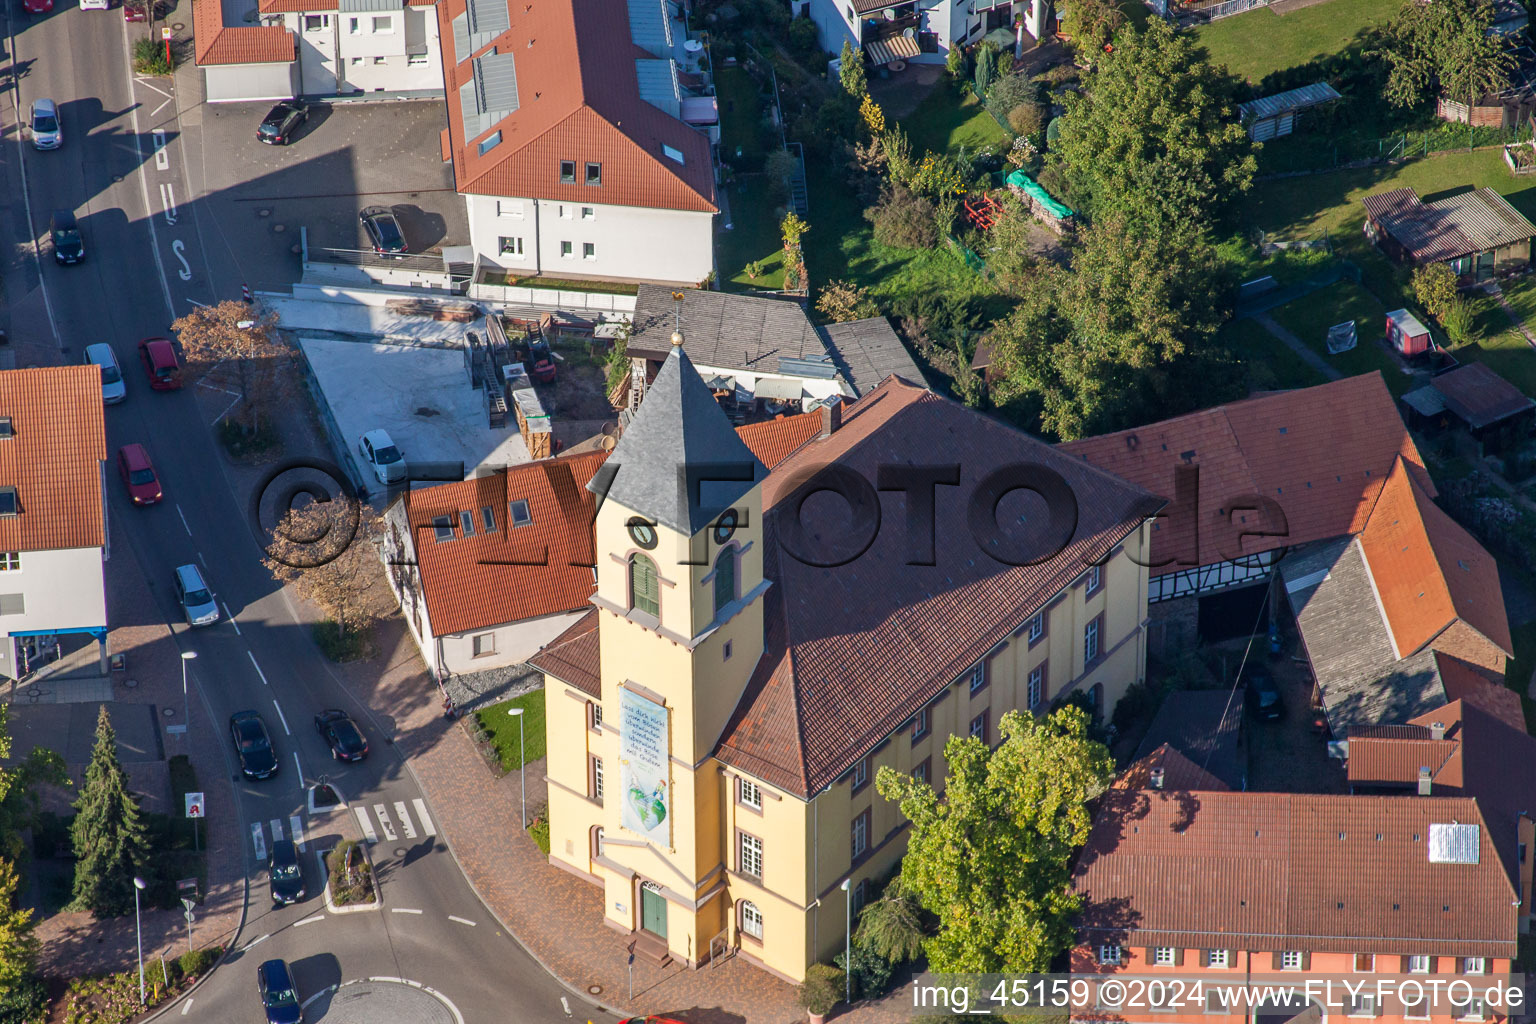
x=381 y=1001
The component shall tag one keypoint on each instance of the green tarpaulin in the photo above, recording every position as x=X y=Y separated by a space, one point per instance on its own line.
x=1020 y=180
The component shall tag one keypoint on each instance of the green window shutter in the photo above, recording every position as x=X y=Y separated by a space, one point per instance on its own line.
x=644 y=590
x=725 y=579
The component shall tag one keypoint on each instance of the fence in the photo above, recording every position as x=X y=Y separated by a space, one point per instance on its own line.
x=1311 y=150
x=1191 y=14
x=967 y=254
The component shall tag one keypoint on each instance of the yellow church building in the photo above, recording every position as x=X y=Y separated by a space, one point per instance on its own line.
x=769 y=629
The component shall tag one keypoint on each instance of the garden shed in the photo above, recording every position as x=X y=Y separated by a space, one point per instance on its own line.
x=1270 y=117
x=1476 y=233
x=1407 y=334
x=1492 y=410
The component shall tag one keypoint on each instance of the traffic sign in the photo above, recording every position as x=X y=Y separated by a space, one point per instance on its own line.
x=167 y=34
x=188 y=904
x=189 y=916
x=195 y=805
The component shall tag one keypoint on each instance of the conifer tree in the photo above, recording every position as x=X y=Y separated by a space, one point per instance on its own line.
x=109 y=834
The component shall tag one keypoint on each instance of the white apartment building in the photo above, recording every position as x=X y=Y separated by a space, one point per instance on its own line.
x=52 y=514
x=580 y=133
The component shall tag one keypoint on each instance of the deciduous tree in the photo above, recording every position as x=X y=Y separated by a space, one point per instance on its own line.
x=19 y=782
x=991 y=857
x=850 y=70
x=325 y=550
x=18 y=944
x=1443 y=47
x=210 y=335
x=842 y=301
x=110 y=841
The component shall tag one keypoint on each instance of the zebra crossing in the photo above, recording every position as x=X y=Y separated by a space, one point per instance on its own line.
x=400 y=823
x=259 y=831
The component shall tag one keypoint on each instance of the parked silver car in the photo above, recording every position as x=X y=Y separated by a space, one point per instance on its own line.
x=47 y=132
x=113 y=388
x=196 y=599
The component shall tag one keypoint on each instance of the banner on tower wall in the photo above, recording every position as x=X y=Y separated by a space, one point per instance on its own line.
x=644 y=774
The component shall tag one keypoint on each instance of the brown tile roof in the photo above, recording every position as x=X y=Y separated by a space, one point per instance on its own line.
x=573 y=657
x=862 y=646
x=1277 y=871
x=1179 y=772
x=1396 y=760
x=54 y=458
x=1428 y=571
x=1320 y=453
x=576 y=101
x=1479 y=396
x=1478 y=686
x=1206 y=727
x=237 y=44
x=463 y=594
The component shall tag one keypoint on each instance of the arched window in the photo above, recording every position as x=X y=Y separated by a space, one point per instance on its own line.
x=644 y=590
x=751 y=920
x=725 y=579
x=596 y=841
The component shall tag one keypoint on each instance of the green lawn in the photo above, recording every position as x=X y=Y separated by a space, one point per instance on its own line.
x=1270 y=363
x=754 y=235
x=1502 y=346
x=946 y=120
x=504 y=728
x=1256 y=44
x=1310 y=316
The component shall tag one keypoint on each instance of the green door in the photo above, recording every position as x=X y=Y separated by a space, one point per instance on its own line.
x=653 y=912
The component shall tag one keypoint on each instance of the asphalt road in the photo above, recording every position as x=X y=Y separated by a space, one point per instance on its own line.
x=433 y=951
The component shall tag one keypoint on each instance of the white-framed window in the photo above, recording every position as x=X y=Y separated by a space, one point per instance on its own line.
x=1164 y=956
x=597 y=715
x=485 y=643
x=1365 y=962
x=1474 y=965
x=979 y=727
x=316 y=22
x=509 y=208
x=751 y=859
x=1037 y=627
x=1362 y=1005
x=860 y=835
x=354 y=26
x=1094 y=579
x=1035 y=686
x=1474 y=1010
x=1109 y=956
x=383 y=24
x=1291 y=960
x=597 y=778
x=751 y=795
x=751 y=920
x=567 y=251
x=1090 y=642
x=920 y=725
x=1415 y=1006
x=588 y=250
x=416 y=60
x=587 y=213
x=1219 y=958
x=10 y=561
x=860 y=774
x=1418 y=965
x=978 y=676
x=509 y=245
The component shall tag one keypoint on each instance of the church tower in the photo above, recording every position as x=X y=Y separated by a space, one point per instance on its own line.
x=679 y=539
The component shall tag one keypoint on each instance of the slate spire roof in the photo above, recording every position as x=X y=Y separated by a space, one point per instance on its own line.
x=679 y=463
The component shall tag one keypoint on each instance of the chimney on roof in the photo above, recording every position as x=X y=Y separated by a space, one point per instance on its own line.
x=1437 y=730
x=1424 y=784
x=1158 y=777
x=831 y=418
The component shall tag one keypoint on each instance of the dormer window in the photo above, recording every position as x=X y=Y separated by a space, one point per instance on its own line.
x=10 y=504
x=520 y=513
x=6 y=428
x=467 y=523
x=594 y=174
x=672 y=153
x=442 y=528
x=567 y=172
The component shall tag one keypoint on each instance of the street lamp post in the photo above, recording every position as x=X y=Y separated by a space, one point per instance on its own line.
x=186 y=708
x=522 y=760
x=138 y=883
x=847 y=939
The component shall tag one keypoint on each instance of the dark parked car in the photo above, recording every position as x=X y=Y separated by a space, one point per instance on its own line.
x=279 y=995
x=252 y=745
x=1264 y=699
x=287 y=881
x=342 y=735
x=68 y=245
x=383 y=231
x=281 y=122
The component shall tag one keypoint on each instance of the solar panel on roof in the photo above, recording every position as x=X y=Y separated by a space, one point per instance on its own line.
x=1453 y=844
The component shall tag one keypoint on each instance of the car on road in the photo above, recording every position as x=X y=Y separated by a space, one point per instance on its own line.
x=285 y=878
x=279 y=996
x=1264 y=699
x=95 y=5
x=379 y=452
x=342 y=735
x=136 y=10
x=196 y=599
x=113 y=388
x=253 y=745
x=138 y=475
x=159 y=358
x=68 y=245
x=383 y=231
x=37 y=6
x=277 y=128
x=47 y=133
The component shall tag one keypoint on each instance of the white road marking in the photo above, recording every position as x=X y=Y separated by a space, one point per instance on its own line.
x=282 y=718
x=309 y=920
x=461 y=920
x=168 y=201
x=145 y=83
x=200 y=558
x=276 y=825
x=254 y=943
x=296 y=830
x=258 y=668
x=162 y=156
x=152 y=113
x=143 y=176
x=186 y=1006
x=300 y=769
x=382 y=813
x=177 y=248
x=403 y=910
x=231 y=619
x=363 y=820
x=184 y=525
x=199 y=305
x=259 y=840
x=405 y=820
x=426 y=819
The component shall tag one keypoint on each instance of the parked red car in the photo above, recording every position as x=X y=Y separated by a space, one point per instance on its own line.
x=136 y=10
x=37 y=6
x=159 y=358
x=138 y=474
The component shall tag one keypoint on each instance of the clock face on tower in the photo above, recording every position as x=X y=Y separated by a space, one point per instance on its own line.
x=642 y=533
x=725 y=526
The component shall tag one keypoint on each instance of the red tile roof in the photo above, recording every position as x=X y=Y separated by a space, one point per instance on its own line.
x=53 y=458
x=1477 y=686
x=1428 y=571
x=579 y=99
x=237 y=44
x=1179 y=772
x=574 y=657
x=855 y=650
x=1320 y=453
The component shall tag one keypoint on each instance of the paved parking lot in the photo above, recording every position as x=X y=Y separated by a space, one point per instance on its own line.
x=348 y=156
